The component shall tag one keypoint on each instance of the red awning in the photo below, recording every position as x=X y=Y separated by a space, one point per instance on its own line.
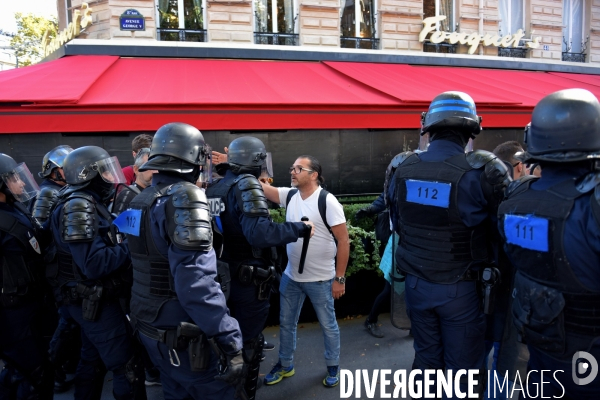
x=106 y=93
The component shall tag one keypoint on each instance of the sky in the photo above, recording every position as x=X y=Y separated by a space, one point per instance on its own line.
x=8 y=8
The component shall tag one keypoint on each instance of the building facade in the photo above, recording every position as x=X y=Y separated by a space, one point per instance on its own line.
x=548 y=30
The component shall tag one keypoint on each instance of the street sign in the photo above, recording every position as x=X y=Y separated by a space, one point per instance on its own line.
x=132 y=20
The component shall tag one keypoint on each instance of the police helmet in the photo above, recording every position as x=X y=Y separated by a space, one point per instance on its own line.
x=84 y=164
x=177 y=147
x=565 y=127
x=15 y=179
x=451 y=111
x=54 y=159
x=247 y=151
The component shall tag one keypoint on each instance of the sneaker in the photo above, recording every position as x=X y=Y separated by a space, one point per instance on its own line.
x=278 y=373
x=153 y=379
x=333 y=376
x=373 y=329
x=268 y=346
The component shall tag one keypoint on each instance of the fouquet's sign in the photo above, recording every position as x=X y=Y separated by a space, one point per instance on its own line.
x=472 y=39
x=81 y=20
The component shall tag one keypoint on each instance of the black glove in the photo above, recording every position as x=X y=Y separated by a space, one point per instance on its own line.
x=234 y=373
x=364 y=212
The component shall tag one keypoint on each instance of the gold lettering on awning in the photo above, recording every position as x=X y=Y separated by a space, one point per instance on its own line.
x=81 y=20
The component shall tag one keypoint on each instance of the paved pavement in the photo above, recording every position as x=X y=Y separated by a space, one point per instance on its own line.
x=360 y=350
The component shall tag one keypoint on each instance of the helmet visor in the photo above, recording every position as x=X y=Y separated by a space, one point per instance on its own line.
x=469 y=146
x=58 y=155
x=21 y=184
x=206 y=170
x=110 y=170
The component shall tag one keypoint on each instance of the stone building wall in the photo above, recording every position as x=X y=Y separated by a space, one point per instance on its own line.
x=318 y=23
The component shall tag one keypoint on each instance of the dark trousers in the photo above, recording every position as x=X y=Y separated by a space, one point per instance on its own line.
x=447 y=324
x=245 y=307
x=107 y=341
x=22 y=349
x=180 y=383
x=382 y=299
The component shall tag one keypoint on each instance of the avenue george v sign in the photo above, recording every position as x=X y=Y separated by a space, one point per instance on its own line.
x=473 y=39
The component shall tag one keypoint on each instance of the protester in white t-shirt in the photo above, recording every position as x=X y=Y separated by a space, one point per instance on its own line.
x=323 y=277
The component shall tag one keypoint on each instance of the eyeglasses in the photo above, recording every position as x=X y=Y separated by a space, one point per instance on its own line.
x=296 y=169
x=517 y=163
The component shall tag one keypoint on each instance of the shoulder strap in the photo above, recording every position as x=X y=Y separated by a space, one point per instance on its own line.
x=323 y=209
x=290 y=194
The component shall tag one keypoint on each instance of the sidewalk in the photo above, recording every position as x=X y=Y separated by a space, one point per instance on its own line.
x=360 y=350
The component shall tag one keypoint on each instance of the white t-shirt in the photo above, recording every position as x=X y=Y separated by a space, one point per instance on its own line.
x=320 y=256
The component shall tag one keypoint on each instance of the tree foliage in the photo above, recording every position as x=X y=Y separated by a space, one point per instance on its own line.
x=28 y=40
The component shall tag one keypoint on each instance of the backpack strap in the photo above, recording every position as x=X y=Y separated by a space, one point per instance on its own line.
x=322 y=204
x=290 y=194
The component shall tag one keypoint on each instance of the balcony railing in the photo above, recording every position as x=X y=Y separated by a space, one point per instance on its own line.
x=359 y=43
x=573 y=57
x=512 y=52
x=429 y=47
x=181 y=35
x=277 y=39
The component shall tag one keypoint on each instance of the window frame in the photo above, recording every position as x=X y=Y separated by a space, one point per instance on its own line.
x=274 y=27
x=181 y=21
x=570 y=26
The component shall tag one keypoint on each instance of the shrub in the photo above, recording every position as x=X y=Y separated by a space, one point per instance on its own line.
x=364 y=247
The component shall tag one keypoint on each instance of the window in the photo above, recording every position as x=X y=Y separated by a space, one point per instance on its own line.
x=512 y=16
x=574 y=25
x=68 y=12
x=433 y=8
x=181 y=20
x=358 y=24
x=275 y=22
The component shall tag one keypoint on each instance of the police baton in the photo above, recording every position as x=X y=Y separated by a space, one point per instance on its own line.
x=304 y=246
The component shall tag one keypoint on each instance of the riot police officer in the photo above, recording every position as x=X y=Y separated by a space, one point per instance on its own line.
x=93 y=268
x=65 y=343
x=177 y=305
x=443 y=203
x=27 y=372
x=53 y=181
x=240 y=208
x=551 y=228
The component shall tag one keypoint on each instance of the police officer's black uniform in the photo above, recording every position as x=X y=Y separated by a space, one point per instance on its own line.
x=27 y=372
x=66 y=340
x=176 y=304
x=443 y=204
x=240 y=208
x=551 y=228
x=93 y=272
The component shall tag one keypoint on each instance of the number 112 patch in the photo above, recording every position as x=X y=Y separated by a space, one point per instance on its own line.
x=527 y=231
x=428 y=193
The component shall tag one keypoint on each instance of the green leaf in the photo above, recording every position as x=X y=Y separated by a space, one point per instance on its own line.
x=28 y=40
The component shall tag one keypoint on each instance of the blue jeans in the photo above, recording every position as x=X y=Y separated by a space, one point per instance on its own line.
x=292 y=295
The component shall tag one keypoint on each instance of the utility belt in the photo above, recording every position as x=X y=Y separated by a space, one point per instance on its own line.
x=185 y=336
x=89 y=297
x=262 y=277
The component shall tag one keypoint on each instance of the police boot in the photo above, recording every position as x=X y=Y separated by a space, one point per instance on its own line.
x=90 y=380
x=252 y=354
x=42 y=383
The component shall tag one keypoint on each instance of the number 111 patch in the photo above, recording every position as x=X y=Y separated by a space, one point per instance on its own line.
x=527 y=231
x=428 y=193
